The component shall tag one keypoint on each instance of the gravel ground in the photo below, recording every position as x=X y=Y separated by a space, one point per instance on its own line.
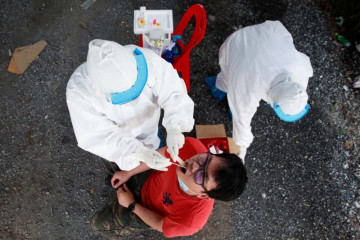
x=303 y=176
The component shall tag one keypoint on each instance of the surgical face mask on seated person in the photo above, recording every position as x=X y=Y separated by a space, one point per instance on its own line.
x=182 y=185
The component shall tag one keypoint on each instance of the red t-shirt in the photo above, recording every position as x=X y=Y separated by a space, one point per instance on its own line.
x=183 y=214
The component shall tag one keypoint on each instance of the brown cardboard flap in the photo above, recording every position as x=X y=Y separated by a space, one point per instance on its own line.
x=12 y=67
x=210 y=131
x=215 y=131
x=23 y=56
x=233 y=148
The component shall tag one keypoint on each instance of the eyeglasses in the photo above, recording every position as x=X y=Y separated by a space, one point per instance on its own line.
x=202 y=160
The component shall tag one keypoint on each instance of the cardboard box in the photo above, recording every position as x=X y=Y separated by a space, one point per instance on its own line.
x=215 y=135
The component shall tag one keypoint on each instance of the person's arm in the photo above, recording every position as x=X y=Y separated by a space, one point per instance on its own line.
x=151 y=218
x=121 y=177
x=173 y=98
x=243 y=111
x=94 y=131
x=178 y=106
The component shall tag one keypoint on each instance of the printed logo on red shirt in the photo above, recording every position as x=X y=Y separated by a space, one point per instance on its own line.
x=166 y=199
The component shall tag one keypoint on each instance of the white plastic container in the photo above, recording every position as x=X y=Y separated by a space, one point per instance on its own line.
x=156 y=26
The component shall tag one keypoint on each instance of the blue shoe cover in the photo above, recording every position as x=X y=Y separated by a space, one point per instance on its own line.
x=215 y=92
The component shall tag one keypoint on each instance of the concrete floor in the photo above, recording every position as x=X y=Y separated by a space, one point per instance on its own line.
x=303 y=183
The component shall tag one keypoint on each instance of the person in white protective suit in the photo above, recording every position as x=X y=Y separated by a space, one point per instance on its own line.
x=261 y=62
x=115 y=100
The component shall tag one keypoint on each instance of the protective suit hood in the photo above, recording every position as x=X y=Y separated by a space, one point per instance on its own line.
x=290 y=96
x=111 y=67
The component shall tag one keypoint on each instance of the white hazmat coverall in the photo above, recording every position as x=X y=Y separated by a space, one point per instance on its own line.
x=250 y=59
x=115 y=132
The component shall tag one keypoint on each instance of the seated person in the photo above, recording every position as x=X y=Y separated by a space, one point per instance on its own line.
x=177 y=202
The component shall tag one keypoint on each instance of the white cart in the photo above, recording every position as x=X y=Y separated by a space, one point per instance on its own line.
x=156 y=27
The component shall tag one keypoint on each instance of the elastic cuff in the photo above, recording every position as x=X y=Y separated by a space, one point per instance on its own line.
x=173 y=128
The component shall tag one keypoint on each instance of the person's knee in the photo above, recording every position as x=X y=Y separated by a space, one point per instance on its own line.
x=111 y=166
x=92 y=222
x=96 y=224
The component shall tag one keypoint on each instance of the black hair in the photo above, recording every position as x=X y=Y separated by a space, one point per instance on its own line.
x=230 y=178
